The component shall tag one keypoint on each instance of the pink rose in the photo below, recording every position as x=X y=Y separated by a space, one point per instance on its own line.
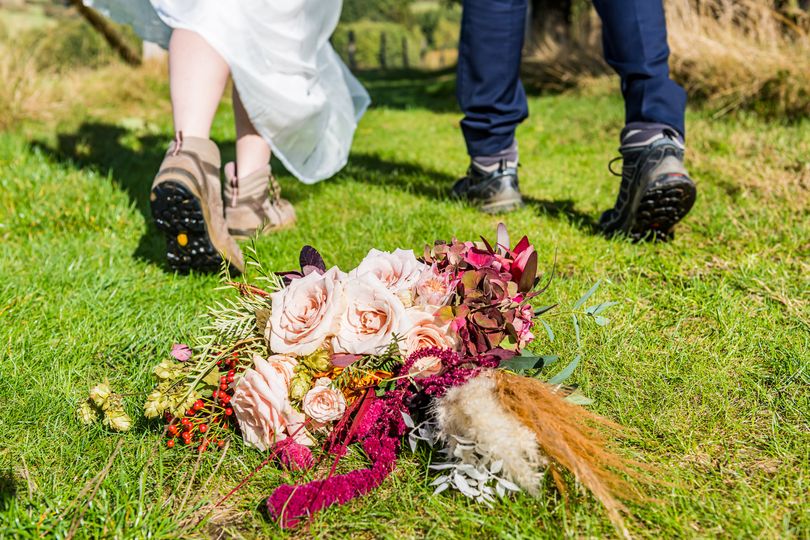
x=262 y=404
x=398 y=271
x=371 y=318
x=306 y=312
x=425 y=330
x=434 y=288
x=324 y=404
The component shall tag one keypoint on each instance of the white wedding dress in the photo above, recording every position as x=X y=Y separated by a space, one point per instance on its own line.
x=298 y=93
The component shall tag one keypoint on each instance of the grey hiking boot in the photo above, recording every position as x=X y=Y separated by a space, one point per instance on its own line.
x=656 y=191
x=186 y=201
x=254 y=204
x=493 y=190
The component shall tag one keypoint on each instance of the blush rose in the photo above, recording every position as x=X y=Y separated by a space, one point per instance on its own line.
x=262 y=405
x=397 y=271
x=372 y=317
x=324 y=404
x=305 y=313
x=426 y=330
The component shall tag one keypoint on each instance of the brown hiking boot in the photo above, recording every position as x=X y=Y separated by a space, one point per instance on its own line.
x=254 y=203
x=186 y=202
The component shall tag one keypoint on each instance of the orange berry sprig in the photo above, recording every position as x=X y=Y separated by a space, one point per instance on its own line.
x=207 y=422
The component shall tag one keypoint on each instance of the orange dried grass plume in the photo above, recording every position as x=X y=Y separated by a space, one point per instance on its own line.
x=574 y=439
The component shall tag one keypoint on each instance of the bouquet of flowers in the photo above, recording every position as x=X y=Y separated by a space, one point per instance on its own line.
x=431 y=349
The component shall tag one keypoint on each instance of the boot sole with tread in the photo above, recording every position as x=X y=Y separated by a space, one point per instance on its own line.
x=178 y=214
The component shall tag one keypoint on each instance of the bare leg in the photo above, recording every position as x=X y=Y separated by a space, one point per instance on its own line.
x=252 y=151
x=197 y=77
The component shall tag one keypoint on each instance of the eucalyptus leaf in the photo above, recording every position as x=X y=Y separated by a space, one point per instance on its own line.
x=560 y=377
x=587 y=295
x=550 y=359
x=599 y=308
x=549 y=331
x=576 y=330
x=601 y=321
x=441 y=488
x=544 y=309
x=578 y=398
x=519 y=364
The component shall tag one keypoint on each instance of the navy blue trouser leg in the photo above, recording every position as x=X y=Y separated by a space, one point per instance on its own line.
x=488 y=85
x=634 y=34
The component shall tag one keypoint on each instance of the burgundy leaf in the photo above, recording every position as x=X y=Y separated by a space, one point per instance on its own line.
x=527 y=279
x=503 y=238
x=310 y=257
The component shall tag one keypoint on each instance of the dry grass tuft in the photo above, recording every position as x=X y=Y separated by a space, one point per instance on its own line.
x=741 y=54
x=31 y=93
x=730 y=54
x=24 y=94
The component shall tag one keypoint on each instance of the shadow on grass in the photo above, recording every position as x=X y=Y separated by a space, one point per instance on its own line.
x=436 y=90
x=412 y=89
x=412 y=178
x=408 y=177
x=8 y=487
x=131 y=161
x=564 y=209
x=131 y=165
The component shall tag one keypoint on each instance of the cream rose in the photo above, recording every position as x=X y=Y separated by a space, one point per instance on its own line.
x=371 y=318
x=426 y=367
x=262 y=404
x=398 y=271
x=324 y=404
x=425 y=330
x=306 y=312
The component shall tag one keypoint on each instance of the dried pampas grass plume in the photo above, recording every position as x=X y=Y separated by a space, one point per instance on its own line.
x=531 y=427
x=573 y=439
x=472 y=411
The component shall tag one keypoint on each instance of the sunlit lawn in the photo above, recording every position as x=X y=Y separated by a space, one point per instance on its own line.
x=705 y=359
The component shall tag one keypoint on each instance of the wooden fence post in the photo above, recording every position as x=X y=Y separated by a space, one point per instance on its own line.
x=352 y=51
x=110 y=33
x=382 y=50
x=405 y=52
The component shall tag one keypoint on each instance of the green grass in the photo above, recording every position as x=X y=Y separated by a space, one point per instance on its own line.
x=705 y=359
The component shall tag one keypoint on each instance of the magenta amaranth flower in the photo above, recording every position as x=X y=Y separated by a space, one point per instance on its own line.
x=181 y=352
x=380 y=434
x=293 y=455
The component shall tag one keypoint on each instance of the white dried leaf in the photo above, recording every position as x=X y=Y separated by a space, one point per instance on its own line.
x=441 y=488
x=462 y=485
x=440 y=479
x=511 y=486
x=408 y=420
